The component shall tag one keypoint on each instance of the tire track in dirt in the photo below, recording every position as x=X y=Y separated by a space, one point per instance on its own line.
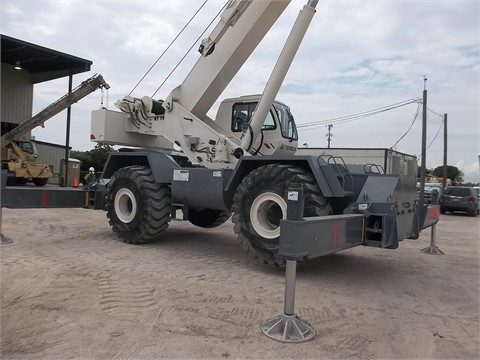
x=245 y=315
x=127 y=354
x=24 y=259
x=29 y=289
x=324 y=315
x=125 y=300
x=15 y=346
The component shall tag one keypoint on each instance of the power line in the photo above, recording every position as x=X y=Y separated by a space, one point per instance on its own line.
x=434 y=112
x=410 y=127
x=440 y=127
x=438 y=131
x=348 y=118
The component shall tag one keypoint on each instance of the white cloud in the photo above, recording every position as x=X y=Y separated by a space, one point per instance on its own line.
x=471 y=170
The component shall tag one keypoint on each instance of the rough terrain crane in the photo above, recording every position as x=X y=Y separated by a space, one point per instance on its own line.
x=241 y=163
x=19 y=156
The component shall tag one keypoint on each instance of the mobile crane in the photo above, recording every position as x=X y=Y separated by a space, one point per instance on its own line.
x=243 y=162
x=19 y=156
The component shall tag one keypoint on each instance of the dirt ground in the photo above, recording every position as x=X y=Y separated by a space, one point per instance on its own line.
x=70 y=290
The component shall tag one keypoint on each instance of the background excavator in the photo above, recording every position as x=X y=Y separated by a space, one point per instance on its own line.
x=19 y=156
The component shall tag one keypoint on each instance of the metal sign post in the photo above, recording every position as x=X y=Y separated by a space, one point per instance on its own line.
x=288 y=327
x=3 y=239
x=433 y=215
x=3 y=185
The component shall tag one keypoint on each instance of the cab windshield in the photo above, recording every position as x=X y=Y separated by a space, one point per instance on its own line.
x=287 y=123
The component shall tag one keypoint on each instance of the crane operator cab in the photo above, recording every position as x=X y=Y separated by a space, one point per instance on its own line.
x=278 y=133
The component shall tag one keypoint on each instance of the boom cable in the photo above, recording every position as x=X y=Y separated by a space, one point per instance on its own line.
x=190 y=49
x=168 y=47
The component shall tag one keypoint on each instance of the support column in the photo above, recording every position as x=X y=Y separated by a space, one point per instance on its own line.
x=444 y=172
x=67 y=134
x=432 y=249
x=3 y=239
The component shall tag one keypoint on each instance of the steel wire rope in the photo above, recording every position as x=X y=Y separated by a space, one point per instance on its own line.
x=348 y=118
x=168 y=47
x=188 y=51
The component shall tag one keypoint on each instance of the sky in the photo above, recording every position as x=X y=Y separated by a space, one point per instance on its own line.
x=356 y=56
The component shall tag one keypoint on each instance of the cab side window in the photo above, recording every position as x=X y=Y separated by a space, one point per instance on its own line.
x=243 y=112
x=26 y=146
x=240 y=117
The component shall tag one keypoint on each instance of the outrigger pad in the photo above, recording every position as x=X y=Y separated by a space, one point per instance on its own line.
x=5 y=240
x=288 y=329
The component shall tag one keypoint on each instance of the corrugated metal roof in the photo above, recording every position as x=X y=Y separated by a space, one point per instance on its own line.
x=42 y=63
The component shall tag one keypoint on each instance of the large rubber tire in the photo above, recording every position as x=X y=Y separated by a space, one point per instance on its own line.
x=22 y=181
x=13 y=180
x=208 y=218
x=40 y=181
x=260 y=203
x=138 y=208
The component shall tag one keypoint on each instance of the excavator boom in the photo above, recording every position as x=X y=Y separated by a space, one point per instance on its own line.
x=21 y=163
x=86 y=87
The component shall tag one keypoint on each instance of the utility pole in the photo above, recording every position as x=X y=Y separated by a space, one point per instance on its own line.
x=444 y=175
x=424 y=142
x=329 y=135
x=67 y=135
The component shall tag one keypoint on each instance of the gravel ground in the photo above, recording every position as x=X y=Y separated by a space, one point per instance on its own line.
x=70 y=290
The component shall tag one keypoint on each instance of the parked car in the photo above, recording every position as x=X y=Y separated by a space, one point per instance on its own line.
x=477 y=189
x=459 y=198
x=430 y=188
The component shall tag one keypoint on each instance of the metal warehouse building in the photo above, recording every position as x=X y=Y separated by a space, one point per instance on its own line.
x=23 y=65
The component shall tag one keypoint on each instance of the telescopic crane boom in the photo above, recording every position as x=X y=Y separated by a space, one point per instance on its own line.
x=19 y=156
x=86 y=87
x=182 y=118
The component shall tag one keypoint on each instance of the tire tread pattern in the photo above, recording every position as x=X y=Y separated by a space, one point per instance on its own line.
x=283 y=174
x=156 y=211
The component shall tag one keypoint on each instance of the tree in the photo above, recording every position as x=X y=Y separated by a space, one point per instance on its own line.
x=419 y=171
x=96 y=158
x=453 y=173
x=99 y=155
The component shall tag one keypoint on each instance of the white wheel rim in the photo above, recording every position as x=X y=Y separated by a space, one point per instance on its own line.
x=125 y=205
x=261 y=207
